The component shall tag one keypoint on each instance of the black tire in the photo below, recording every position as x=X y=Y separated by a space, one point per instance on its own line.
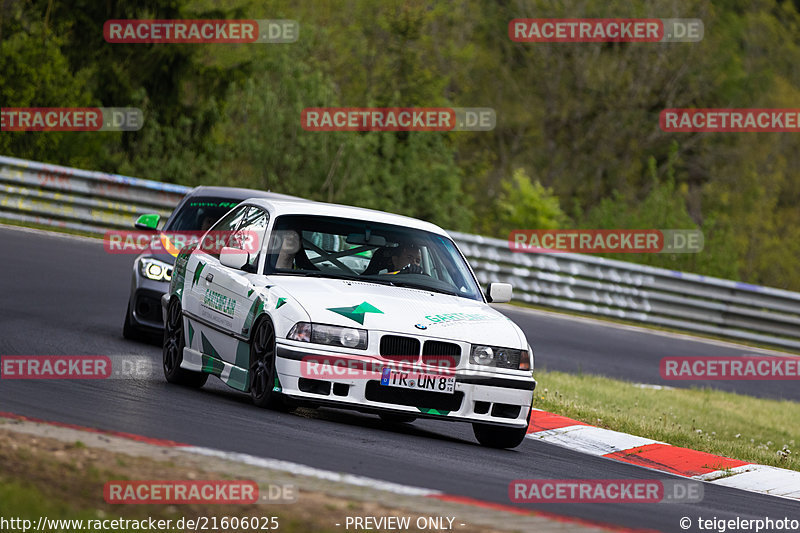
x=262 y=366
x=498 y=436
x=395 y=418
x=128 y=331
x=172 y=353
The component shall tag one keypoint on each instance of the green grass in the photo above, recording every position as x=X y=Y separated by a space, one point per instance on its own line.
x=25 y=501
x=45 y=227
x=734 y=425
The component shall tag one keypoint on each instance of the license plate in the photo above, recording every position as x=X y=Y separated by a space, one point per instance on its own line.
x=418 y=380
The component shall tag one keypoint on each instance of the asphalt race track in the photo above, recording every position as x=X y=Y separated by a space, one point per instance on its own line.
x=66 y=296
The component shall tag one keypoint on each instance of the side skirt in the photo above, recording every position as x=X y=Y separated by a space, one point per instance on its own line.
x=232 y=375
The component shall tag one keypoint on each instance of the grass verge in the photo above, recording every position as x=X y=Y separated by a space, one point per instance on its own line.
x=45 y=477
x=733 y=425
x=46 y=227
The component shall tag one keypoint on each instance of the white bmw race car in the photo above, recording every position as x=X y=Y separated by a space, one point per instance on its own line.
x=304 y=303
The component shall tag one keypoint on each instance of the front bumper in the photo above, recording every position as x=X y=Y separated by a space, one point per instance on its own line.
x=479 y=396
x=145 y=302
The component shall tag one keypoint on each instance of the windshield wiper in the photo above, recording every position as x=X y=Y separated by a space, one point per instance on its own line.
x=423 y=288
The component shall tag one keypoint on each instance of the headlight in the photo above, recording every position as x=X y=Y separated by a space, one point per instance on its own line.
x=155 y=269
x=330 y=335
x=498 y=357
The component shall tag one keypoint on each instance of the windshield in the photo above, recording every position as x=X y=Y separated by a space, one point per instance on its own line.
x=200 y=213
x=368 y=251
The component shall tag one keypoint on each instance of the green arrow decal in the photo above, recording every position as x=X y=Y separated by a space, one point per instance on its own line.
x=280 y=302
x=433 y=411
x=356 y=313
x=197 y=272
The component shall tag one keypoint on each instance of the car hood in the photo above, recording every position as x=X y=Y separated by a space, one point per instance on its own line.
x=399 y=309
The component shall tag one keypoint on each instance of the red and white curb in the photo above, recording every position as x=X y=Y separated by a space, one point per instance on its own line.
x=655 y=455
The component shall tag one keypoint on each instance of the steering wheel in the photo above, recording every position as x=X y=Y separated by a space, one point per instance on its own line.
x=411 y=268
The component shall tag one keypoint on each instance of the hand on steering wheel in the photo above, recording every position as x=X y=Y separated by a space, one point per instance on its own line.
x=411 y=268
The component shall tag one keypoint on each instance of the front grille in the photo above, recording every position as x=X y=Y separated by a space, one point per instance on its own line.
x=376 y=392
x=400 y=348
x=438 y=353
x=148 y=306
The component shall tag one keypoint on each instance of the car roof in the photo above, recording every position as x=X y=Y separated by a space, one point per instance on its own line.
x=307 y=207
x=240 y=194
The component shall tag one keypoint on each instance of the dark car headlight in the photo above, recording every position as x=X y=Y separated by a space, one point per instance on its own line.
x=497 y=357
x=155 y=269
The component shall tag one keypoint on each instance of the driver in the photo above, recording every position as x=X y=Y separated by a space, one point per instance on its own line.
x=290 y=245
x=407 y=259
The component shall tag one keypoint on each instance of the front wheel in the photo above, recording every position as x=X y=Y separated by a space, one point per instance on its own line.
x=263 y=374
x=172 y=355
x=498 y=436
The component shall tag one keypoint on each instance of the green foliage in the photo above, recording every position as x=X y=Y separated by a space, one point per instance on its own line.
x=582 y=119
x=35 y=73
x=259 y=142
x=525 y=204
x=663 y=207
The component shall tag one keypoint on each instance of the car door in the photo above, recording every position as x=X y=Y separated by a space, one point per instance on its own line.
x=208 y=309
x=229 y=292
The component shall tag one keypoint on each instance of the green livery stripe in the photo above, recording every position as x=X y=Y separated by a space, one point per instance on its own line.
x=242 y=354
x=212 y=365
x=255 y=309
x=207 y=348
x=237 y=377
x=281 y=301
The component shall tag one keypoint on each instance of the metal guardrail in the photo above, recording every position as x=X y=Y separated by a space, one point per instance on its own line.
x=80 y=200
x=606 y=287
x=95 y=202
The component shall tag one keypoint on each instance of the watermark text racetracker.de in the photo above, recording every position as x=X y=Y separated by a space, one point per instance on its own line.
x=605 y=491
x=332 y=367
x=171 y=242
x=71 y=119
x=730 y=120
x=605 y=30
x=594 y=241
x=206 y=31
x=398 y=119
x=19 y=367
x=732 y=368
x=178 y=491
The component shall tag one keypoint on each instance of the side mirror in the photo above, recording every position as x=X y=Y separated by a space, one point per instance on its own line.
x=147 y=222
x=498 y=293
x=233 y=257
